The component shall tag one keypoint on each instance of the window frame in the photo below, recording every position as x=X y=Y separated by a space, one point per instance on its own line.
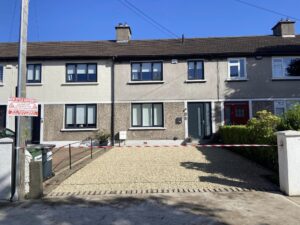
x=2 y=76
x=74 y=125
x=239 y=69
x=34 y=81
x=195 y=64
x=277 y=103
x=152 y=110
x=283 y=75
x=76 y=75
x=141 y=64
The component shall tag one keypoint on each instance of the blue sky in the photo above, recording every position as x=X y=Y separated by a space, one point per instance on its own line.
x=62 y=20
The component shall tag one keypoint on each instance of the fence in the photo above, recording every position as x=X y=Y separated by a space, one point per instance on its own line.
x=69 y=154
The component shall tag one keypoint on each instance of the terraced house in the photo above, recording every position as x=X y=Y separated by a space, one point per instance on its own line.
x=155 y=90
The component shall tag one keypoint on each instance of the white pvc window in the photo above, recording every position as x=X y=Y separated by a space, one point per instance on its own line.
x=237 y=68
x=286 y=67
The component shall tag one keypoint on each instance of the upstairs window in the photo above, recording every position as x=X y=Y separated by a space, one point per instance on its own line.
x=80 y=116
x=195 y=70
x=82 y=72
x=147 y=71
x=1 y=74
x=34 y=73
x=237 y=68
x=286 y=67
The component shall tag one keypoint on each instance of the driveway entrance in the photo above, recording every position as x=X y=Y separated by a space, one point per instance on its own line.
x=165 y=169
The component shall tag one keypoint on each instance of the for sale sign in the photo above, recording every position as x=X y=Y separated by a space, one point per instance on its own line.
x=22 y=107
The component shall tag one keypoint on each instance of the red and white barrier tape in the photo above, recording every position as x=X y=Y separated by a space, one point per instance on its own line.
x=200 y=145
x=234 y=145
x=190 y=145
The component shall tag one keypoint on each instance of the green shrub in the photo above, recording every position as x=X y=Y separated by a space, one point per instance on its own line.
x=262 y=128
x=259 y=130
x=290 y=119
x=236 y=134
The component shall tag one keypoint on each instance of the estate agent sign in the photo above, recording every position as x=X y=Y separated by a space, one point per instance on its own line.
x=22 y=107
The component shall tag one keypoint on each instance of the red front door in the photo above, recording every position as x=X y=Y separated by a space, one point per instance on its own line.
x=236 y=113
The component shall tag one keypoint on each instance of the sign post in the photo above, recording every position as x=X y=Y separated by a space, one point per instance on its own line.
x=21 y=122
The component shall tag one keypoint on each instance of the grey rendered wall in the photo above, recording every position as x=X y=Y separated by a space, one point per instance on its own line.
x=259 y=83
x=171 y=111
x=54 y=123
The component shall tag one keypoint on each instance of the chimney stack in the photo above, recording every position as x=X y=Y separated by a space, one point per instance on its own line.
x=123 y=33
x=284 y=28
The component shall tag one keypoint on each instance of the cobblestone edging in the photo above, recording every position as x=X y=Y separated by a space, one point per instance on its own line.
x=157 y=191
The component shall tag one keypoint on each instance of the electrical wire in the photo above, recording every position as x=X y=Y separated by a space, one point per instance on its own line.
x=266 y=9
x=34 y=3
x=12 y=21
x=147 y=18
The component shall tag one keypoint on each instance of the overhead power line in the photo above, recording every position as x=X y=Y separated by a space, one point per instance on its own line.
x=12 y=21
x=35 y=10
x=147 y=18
x=266 y=9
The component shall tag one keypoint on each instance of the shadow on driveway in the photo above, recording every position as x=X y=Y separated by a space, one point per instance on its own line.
x=229 y=169
x=117 y=211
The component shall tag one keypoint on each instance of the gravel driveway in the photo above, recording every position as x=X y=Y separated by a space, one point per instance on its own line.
x=165 y=169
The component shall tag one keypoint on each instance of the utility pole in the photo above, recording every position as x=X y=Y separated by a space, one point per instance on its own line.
x=21 y=122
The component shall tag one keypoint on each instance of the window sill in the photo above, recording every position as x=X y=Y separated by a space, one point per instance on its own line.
x=34 y=84
x=79 y=129
x=147 y=128
x=195 y=81
x=285 y=79
x=146 y=82
x=79 y=83
x=236 y=80
x=1 y=84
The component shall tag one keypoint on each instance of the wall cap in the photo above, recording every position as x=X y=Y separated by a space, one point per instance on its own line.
x=289 y=133
x=6 y=140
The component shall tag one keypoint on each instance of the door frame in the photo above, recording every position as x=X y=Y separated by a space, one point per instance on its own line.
x=211 y=115
x=234 y=104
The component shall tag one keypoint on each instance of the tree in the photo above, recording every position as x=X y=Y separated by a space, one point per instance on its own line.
x=294 y=68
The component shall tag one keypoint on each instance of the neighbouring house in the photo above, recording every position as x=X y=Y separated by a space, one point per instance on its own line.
x=155 y=90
